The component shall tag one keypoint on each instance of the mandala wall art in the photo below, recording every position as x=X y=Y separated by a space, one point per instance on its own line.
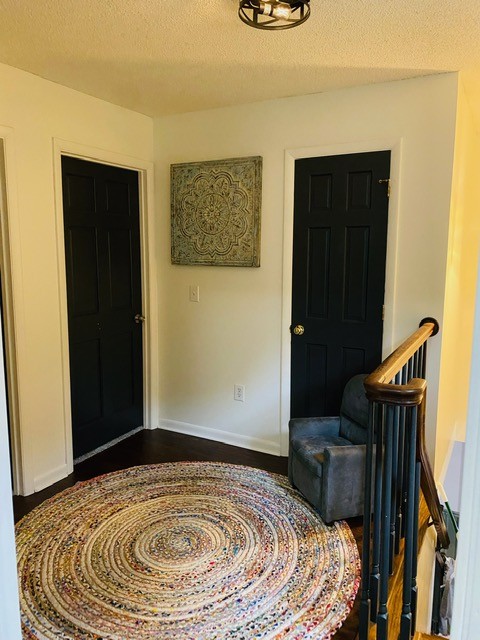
x=216 y=212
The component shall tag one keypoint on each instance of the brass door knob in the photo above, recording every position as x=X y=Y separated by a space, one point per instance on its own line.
x=299 y=330
x=139 y=318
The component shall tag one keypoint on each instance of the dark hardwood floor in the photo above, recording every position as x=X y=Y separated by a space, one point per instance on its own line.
x=150 y=447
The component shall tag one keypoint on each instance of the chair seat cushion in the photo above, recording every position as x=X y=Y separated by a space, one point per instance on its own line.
x=310 y=449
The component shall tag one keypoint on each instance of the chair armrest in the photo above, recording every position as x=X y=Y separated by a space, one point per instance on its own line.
x=329 y=426
x=343 y=482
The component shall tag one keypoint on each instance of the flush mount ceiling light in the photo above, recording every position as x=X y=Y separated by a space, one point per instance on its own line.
x=274 y=14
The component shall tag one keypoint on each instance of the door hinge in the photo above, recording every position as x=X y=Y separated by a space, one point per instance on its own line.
x=387 y=182
x=383 y=312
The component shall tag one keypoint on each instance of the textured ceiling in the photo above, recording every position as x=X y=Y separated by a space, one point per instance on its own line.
x=170 y=56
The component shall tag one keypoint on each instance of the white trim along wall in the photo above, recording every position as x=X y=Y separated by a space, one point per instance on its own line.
x=9 y=603
x=10 y=265
x=395 y=146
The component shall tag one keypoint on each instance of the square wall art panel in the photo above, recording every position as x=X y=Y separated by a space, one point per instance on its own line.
x=216 y=212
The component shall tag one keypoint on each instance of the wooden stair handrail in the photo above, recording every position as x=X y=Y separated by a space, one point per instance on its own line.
x=427 y=481
x=396 y=360
x=378 y=389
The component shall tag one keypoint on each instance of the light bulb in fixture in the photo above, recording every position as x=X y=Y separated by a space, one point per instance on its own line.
x=278 y=10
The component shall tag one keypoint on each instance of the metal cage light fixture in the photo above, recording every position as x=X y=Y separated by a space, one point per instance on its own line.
x=274 y=14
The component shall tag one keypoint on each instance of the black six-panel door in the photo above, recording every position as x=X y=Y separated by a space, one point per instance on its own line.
x=102 y=249
x=339 y=252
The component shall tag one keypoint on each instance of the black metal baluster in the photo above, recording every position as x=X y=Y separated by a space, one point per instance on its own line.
x=403 y=501
x=424 y=359
x=377 y=513
x=396 y=482
x=416 y=367
x=400 y=474
x=406 y=619
x=364 y=624
x=382 y=616
x=418 y=469
x=410 y=369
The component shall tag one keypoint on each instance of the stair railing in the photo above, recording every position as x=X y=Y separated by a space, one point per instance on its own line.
x=397 y=464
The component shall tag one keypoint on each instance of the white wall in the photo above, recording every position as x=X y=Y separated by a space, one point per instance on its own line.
x=453 y=477
x=462 y=260
x=9 y=608
x=234 y=334
x=466 y=612
x=36 y=112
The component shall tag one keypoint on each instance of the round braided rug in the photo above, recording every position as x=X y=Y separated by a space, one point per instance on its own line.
x=188 y=551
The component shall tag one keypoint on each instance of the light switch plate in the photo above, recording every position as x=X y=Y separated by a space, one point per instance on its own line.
x=194 y=293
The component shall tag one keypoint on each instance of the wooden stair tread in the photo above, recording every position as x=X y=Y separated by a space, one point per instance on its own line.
x=425 y=636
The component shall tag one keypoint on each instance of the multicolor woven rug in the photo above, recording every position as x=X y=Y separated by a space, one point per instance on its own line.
x=184 y=551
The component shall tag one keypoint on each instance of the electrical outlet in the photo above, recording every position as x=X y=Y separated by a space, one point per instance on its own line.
x=239 y=392
x=194 y=293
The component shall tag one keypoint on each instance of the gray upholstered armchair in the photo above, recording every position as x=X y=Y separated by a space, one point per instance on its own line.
x=327 y=456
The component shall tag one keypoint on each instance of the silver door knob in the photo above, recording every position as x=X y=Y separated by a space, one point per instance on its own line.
x=299 y=330
x=139 y=318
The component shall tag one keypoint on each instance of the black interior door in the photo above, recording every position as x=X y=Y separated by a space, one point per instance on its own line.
x=339 y=252
x=102 y=250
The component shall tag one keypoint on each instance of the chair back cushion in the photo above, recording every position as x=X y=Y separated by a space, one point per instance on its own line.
x=354 y=411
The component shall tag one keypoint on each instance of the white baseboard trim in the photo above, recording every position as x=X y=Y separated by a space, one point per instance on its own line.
x=234 y=439
x=107 y=445
x=44 y=480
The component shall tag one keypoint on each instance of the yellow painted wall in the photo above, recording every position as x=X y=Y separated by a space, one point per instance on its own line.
x=463 y=246
x=458 y=323
x=234 y=334
x=39 y=111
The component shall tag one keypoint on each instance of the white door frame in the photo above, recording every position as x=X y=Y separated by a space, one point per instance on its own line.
x=149 y=277
x=10 y=264
x=395 y=146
